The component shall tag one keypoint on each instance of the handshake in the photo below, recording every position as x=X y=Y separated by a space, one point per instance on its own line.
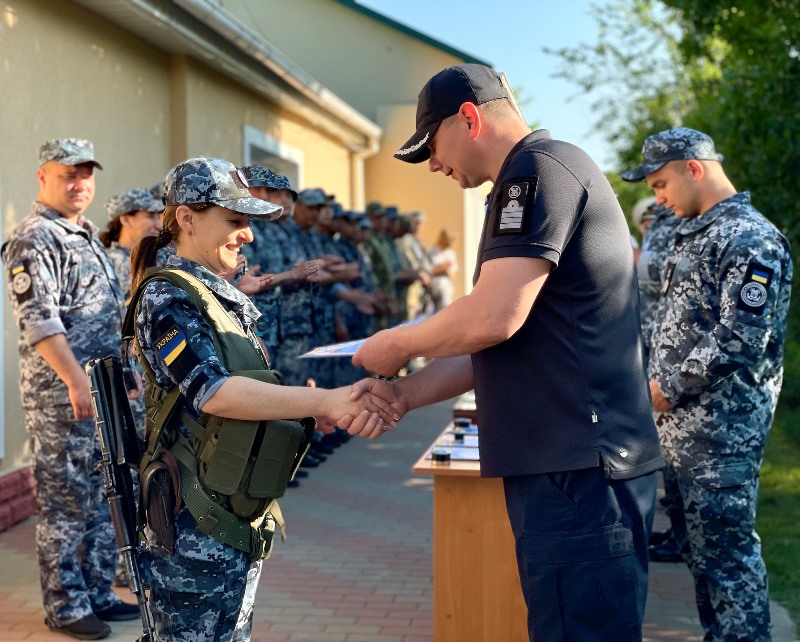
x=369 y=407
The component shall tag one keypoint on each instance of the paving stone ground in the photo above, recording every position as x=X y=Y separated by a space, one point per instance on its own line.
x=356 y=566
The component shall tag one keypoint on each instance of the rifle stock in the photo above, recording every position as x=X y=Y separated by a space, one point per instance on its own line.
x=120 y=453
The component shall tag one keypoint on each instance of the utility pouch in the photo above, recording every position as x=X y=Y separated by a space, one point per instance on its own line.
x=283 y=447
x=161 y=496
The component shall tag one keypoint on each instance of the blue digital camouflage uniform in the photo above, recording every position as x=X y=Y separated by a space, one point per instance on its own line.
x=61 y=282
x=298 y=324
x=656 y=247
x=204 y=591
x=266 y=251
x=359 y=325
x=717 y=353
x=325 y=299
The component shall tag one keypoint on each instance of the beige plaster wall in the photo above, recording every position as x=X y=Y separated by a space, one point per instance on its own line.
x=218 y=109
x=66 y=72
x=380 y=71
x=364 y=62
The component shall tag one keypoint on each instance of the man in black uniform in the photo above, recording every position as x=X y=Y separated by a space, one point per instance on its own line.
x=549 y=338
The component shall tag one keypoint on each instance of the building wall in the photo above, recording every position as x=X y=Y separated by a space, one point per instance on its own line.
x=64 y=71
x=380 y=71
x=366 y=63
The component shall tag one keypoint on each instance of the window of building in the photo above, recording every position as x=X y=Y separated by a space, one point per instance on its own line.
x=262 y=149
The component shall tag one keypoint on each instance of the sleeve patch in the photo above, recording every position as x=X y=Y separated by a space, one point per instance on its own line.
x=21 y=283
x=171 y=345
x=754 y=292
x=514 y=212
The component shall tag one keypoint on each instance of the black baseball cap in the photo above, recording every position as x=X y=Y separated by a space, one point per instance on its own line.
x=442 y=96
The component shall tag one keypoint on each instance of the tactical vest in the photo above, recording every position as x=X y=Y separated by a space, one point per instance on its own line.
x=231 y=471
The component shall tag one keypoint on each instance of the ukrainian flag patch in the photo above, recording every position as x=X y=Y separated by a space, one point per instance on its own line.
x=171 y=345
x=754 y=293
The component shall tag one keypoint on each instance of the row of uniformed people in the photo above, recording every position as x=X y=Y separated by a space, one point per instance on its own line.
x=305 y=272
x=318 y=275
x=69 y=306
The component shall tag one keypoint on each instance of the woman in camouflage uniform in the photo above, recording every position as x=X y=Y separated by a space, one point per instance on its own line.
x=204 y=589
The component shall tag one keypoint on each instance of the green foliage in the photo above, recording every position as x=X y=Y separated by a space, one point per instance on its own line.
x=729 y=69
x=779 y=510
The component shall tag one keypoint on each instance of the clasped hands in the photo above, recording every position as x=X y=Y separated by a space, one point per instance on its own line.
x=370 y=407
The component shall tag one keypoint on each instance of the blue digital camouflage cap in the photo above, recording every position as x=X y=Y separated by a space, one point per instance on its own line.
x=68 y=151
x=216 y=181
x=678 y=143
x=159 y=191
x=312 y=197
x=391 y=212
x=337 y=211
x=260 y=176
x=133 y=200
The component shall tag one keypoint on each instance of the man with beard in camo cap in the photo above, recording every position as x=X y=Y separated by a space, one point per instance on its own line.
x=716 y=367
x=68 y=305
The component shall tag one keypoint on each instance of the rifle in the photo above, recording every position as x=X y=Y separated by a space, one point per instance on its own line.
x=120 y=453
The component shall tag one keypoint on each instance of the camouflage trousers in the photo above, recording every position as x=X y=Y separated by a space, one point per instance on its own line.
x=295 y=371
x=204 y=591
x=718 y=502
x=74 y=536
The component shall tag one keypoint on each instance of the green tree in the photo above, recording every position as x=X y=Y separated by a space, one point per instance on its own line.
x=731 y=69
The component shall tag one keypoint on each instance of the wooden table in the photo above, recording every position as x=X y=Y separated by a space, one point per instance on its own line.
x=476 y=590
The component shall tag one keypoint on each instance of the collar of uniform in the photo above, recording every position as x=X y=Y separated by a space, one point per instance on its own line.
x=533 y=137
x=694 y=225
x=219 y=286
x=121 y=248
x=82 y=226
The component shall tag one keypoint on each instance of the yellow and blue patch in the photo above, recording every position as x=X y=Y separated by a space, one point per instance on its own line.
x=171 y=345
x=754 y=293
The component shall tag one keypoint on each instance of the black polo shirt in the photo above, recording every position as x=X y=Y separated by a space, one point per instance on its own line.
x=568 y=390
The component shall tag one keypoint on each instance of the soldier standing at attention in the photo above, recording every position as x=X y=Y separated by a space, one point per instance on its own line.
x=68 y=305
x=715 y=370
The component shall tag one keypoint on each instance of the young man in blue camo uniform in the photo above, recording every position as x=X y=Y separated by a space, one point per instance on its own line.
x=68 y=305
x=657 y=225
x=716 y=368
